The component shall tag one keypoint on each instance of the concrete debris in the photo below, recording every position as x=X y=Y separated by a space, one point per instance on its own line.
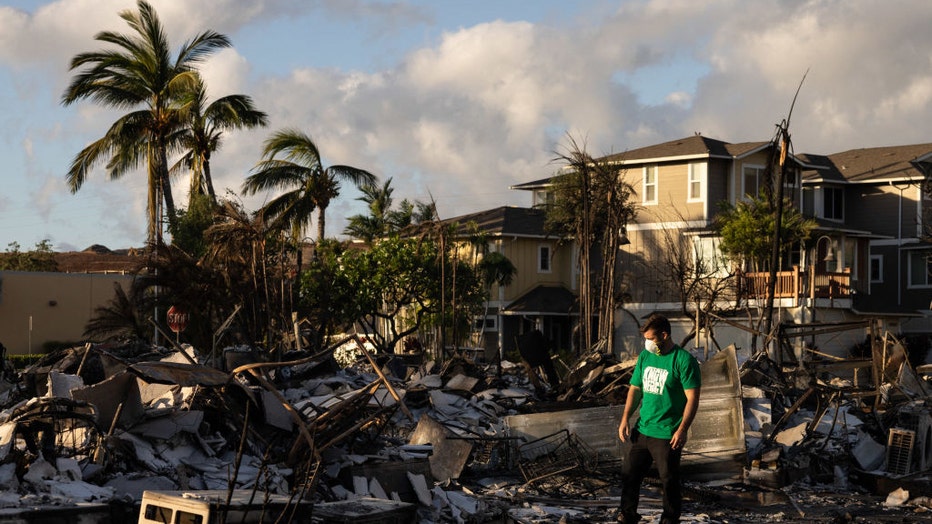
x=375 y=437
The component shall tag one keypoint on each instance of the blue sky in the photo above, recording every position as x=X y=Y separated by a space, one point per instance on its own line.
x=458 y=100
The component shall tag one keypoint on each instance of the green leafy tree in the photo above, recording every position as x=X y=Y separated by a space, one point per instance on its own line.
x=292 y=163
x=191 y=224
x=203 y=133
x=40 y=258
x=327 y=297
x=747 y=229
x=138 y=73
x=747 y=232
x=392 y=290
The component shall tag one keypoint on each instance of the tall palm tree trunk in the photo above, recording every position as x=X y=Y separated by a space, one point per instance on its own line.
x=208 y=181
x=321 y=225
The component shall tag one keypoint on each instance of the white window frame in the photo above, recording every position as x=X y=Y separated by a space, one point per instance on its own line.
x=878 y=260
x=694 y=181
x=542 y=266
x=707 y=249
x=647 y=185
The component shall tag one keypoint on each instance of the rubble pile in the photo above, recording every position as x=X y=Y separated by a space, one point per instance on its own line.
x=457 y=440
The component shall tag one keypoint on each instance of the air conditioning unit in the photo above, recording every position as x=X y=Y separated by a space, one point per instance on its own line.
x=916 y=421
x=900 y=443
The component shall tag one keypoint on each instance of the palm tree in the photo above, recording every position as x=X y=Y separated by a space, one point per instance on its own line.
x=382 y=220
x=308 y=185
x=139 y=73
x=205 y=126
x=119 y=318
x=376 y=223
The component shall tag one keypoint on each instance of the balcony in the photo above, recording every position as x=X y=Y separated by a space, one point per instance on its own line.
x=796 y=284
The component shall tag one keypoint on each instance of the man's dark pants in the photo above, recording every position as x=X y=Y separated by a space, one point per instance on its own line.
x=645 y=450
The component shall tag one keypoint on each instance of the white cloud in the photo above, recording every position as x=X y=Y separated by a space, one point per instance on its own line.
x=473 y=108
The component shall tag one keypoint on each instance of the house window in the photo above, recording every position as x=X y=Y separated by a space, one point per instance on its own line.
x=543 y=198
x=920 y=268
x=708 y=259
x=791 y=189
x=833 y=203
x=848 y=249
x=485 y=323
x=876 y=269
x=694 y=177
x=543 y=258
x=650 y=185
x=808 y=201
x=751 y=180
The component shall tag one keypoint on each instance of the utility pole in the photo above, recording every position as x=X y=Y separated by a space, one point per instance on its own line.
x=783 y=135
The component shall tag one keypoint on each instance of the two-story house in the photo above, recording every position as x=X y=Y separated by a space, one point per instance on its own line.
x=883 y=191
x=866 y=259
x=542 y=291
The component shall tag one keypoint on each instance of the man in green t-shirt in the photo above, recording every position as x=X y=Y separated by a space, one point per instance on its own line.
x=665 y=382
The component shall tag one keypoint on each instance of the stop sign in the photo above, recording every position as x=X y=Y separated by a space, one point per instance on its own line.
x=177 y=319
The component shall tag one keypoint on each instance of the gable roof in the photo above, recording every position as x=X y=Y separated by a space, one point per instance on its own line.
x=876 y=164
x=689 y=147
x=503 y=221
x=544 y=299
x=696 y=146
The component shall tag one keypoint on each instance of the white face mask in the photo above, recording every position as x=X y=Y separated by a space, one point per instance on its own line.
x=651 y=346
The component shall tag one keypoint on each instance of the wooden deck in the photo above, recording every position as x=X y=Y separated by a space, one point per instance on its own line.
x=797 y=284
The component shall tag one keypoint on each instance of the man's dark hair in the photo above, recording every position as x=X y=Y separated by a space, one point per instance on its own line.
x=658 y=323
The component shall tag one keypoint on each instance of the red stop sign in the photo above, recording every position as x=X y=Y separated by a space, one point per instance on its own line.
x=177 y=319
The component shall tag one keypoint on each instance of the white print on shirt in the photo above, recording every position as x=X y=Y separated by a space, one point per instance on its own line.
x=654 y=380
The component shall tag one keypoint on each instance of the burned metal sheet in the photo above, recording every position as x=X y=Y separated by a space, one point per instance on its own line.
x=449 y=456
x=715 y=449
x=597 y=425
x=185 y=375
x=107 y=396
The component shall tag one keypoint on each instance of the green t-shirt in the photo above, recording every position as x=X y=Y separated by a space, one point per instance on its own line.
x=663 y=380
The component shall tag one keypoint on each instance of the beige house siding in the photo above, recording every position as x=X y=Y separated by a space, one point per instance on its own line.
x=41 y=307
x=523 y=253
x=644 y=262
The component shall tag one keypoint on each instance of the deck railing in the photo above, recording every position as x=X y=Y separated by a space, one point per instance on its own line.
x=797 y=284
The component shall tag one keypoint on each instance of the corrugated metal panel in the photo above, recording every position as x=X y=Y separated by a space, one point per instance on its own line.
x=716 y=446
x=597 y=427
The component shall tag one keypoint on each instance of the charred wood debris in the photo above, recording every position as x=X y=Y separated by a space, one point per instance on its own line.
x=455 y=439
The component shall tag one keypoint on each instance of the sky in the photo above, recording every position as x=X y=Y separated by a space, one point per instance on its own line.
x=455 y=101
